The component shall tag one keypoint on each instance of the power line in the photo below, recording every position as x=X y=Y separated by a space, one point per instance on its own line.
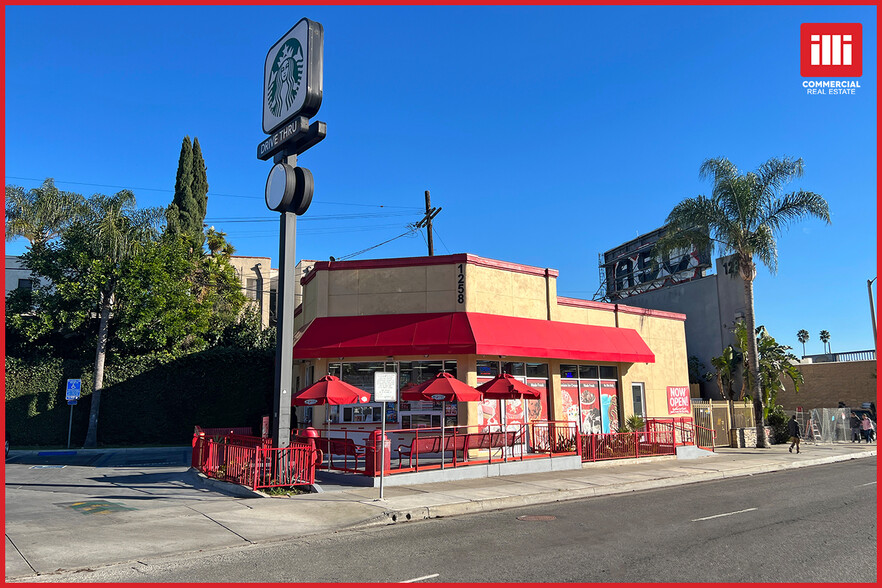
x=442 y=240
x=351 y=255
x=216 y=194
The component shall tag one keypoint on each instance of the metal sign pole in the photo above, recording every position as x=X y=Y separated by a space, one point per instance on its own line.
x=383 y=444
x=285 y=325
x=69 y=426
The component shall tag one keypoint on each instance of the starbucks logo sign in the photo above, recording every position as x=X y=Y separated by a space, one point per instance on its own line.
x=285 y=78
x=292 y=80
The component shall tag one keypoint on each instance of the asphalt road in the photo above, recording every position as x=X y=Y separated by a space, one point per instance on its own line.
x=815 y=524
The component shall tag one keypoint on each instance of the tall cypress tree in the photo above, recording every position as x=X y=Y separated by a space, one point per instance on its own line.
x=183 y=212
x=200 y=183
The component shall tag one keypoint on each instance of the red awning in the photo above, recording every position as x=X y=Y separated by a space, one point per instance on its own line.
x=468 y=333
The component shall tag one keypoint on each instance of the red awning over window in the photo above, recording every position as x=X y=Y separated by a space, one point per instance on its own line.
x=466 y=333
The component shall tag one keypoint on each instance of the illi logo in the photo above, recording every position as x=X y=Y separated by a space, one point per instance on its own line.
x=285 y=78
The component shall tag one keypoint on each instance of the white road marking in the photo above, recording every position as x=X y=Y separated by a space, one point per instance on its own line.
x=867 y=484
x=725 y=514
x=418 y=579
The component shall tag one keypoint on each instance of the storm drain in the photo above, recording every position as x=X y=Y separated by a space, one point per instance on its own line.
x=537 y=518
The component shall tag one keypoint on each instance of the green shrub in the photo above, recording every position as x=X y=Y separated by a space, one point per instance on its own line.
x=777 y=420
x=146 y=400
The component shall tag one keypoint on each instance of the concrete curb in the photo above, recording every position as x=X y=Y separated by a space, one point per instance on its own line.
x=200 y=480
x=548 y=497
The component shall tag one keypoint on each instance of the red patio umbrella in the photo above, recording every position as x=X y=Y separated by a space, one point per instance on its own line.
x=330 y=390
x=507 y=387
x=443 y=387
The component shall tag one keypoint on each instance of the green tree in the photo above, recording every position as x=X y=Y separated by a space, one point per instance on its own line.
x=200 y=183
x=40 y=214
x=727 y=365
x=803 y=336
x=184 y=214
x=111 y=233
x=825 y=339
x=775 y=362
x=744 y=215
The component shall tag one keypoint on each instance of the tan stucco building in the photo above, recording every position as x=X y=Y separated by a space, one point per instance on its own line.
x=596 y=363
x=260 y=282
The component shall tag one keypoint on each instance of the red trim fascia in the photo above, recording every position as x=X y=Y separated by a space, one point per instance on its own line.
x=579 y=303
x=651 y=312
x=249 y=257
x=434 y=260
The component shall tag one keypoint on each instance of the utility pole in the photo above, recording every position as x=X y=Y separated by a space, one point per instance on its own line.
x=426 y=221
x=429 y=223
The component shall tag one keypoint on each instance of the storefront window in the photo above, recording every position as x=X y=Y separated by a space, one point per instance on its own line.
x=537 y=370
x=361 y=375
x=588 y=372
x=410 y=414
x=589 y=396
x=514 y=368
x=487 y=368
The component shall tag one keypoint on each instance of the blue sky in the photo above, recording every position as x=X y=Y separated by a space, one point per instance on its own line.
x=547 y=135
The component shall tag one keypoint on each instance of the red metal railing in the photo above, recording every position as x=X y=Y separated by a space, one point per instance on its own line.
x=603 y=446
x=252 y=462
x=412 y=450
x=685 y=431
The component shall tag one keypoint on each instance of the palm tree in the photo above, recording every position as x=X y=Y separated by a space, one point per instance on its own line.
x=825 y=339
x=803 y=336
x=744 y=215
x=116 y=230
x=40 y=214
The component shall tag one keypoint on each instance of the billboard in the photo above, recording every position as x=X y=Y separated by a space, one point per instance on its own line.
x=634 y=267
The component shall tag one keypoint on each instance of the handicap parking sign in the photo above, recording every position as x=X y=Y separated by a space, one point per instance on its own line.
x=73 y=390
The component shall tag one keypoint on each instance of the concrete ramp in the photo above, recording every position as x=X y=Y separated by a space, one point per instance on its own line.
x=693 y=452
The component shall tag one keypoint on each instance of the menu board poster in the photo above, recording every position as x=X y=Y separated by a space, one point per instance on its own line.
x=537 y=409
x=609 y=407
x=678 y=400
x=569 y=398
x=589 y=402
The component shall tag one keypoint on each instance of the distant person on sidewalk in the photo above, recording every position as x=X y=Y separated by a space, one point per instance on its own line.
x=855 y=424
x=867 y=428
x=793 y=431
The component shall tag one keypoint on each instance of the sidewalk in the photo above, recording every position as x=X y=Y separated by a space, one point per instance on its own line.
x=177 y=524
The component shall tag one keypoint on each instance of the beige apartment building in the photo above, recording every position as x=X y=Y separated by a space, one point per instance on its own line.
x=595 y=363
x=260 y=282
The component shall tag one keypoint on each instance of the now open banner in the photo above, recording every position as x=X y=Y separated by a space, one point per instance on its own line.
x=678 y=400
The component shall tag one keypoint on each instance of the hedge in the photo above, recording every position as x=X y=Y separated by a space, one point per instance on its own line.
x=145 y=400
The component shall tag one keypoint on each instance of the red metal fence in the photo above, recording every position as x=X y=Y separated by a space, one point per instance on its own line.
x=685 y=431
x=602 y=446
x=252 y=462
x=412 y=450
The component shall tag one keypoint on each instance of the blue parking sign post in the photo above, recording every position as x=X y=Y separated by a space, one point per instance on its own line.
x=72 y=394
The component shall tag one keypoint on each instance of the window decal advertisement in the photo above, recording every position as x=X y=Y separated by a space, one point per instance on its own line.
x=488 y=412
x=589 y=402
x=569 y=398
x=537 y=410
x=609 y=407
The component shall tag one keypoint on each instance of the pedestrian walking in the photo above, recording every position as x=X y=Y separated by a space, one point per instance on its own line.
x=867 y=428
x=793 y=431
x=855 y=424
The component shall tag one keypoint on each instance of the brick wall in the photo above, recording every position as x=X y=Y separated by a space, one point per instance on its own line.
x=827 y=384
